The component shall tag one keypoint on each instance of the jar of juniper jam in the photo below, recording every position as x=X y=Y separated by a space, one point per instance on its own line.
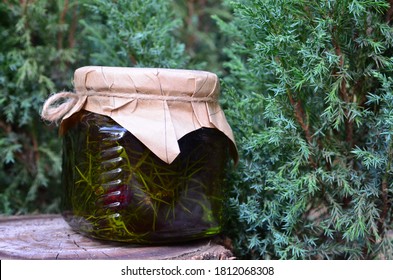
x=144 y=153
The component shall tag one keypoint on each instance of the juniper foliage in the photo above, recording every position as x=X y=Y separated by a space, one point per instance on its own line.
x=310 y=98
x=200 y=34
x=35 y=53
x=134 y=33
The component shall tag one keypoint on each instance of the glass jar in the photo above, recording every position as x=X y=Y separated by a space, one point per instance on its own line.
x=121 y=187
x=117 y=189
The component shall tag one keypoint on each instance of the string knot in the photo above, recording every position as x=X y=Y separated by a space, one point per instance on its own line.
x=58 y=105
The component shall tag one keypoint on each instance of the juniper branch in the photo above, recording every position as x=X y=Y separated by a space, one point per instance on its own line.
x=301 y=119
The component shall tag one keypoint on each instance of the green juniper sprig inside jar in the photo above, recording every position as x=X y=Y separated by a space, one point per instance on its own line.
x=145 y=153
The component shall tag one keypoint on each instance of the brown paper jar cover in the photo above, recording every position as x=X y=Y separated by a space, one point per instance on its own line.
x=158 y=106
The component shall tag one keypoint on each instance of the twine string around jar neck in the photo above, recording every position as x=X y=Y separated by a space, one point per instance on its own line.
x=59 y=104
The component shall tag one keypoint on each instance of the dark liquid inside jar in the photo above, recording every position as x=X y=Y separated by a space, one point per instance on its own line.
x=117 y=189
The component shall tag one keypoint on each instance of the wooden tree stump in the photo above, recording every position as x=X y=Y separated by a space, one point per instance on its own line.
x=50 y=237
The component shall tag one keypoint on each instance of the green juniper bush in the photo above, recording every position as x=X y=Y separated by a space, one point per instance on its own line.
x=309 y=95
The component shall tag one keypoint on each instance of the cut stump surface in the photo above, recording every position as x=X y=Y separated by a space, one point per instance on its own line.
x=50 y=237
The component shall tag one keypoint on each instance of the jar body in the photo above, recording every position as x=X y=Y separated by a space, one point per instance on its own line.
x=117 y=189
